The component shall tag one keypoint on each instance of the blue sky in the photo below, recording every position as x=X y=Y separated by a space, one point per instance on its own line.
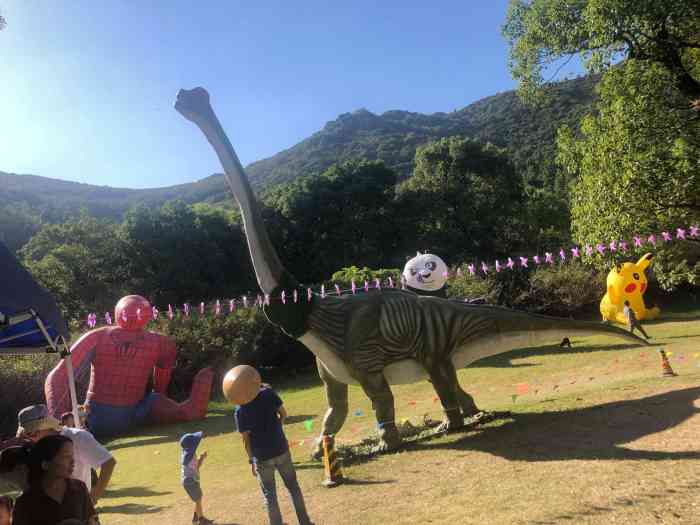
x=87 y=88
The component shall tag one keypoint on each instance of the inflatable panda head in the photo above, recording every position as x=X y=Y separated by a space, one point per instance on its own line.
x=425 y=273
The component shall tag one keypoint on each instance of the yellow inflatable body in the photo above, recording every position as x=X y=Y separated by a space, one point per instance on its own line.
x=627 y=282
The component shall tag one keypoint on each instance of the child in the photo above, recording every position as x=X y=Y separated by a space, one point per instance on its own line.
x=190 y=474
x=260 y=424
x=67 y=419
x=632 y=319
x=6 y=505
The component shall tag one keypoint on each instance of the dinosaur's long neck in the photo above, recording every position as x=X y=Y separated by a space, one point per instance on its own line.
x=268 y=268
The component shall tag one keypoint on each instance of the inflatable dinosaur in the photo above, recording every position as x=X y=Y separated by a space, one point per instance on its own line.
x=627 y=282
x=383 y=337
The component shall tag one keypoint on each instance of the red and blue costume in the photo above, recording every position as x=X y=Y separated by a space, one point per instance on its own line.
x=123 y=359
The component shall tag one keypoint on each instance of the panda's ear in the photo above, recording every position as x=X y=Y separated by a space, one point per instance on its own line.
x=418 y=254
x=408 y=258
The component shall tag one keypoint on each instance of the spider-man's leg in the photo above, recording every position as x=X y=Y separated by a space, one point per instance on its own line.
x=165 y=410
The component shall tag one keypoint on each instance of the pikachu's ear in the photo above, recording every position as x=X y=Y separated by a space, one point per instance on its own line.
x=618 y=267
x=645 y=261
x=612 y=296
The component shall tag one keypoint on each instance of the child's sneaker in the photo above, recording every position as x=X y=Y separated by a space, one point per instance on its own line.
x=205 y=521
x=195 y=519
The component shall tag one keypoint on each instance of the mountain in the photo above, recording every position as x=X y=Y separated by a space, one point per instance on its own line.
x=393 y=137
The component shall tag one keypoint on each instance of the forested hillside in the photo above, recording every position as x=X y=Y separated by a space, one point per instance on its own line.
x=528 y=135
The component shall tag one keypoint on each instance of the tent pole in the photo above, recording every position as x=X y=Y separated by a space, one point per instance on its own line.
x=65 y=354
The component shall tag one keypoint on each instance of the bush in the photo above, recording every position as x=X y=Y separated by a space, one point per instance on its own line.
x=564 y=290
x=222 y=342
x=345 y=276
x=21 y=384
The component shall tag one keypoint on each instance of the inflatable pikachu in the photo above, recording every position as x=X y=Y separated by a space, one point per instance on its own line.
x=627 y=282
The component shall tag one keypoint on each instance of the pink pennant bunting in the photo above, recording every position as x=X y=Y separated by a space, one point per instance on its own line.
x=680 y=233
x=652 y=240
x=217 y=308
x=510 y=263
x=623 y=246
x=471 y=269
x=600 y=248
x=245 y=302
x=353 y=287
x=295 y=294
x=337 y=289
x=523 y=262
x=283 y=297
x=562 y=254
x=377 y=284
x=267 y=300
x=231 y=305
x=201 y=308
x=588 y=250
x=155 y=313
x=323 y=291
x=170 y=312
x=666 y=236
x=575 y=253
x=484 y=268
x=536 y=258
x=498 y=266
x=638 y=241
x=694 y=231
x=548 y=258
x=108 y=318
x=366 y=286
x=391 y=282
x=309 y=295
x=613 y=246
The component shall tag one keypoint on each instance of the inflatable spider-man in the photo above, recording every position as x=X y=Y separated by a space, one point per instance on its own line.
x=124 y=358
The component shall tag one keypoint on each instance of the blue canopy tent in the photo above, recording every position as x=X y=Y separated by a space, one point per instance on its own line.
x=30 y=321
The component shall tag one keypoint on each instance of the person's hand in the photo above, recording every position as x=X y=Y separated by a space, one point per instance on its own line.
x=254 y=470
x=203 y=456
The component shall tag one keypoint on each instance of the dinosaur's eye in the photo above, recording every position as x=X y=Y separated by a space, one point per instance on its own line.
x=636 y=276
x=413 y=271
x=431 y=265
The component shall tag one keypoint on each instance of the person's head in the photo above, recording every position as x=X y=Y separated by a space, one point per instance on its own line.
x=627 y=303
x=51 y=457
x=35 y=422
x=6 y=506
x=67 y=419
x=189 y=444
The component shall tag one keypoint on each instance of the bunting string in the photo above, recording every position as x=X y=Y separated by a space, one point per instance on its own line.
x=587 y=252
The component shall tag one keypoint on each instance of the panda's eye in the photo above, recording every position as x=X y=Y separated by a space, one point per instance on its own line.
x=636 y=276
x=431 y=265
x=413 y=271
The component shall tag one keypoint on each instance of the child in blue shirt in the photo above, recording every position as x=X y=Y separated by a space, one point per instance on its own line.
x=190 y=464
x=260 y=424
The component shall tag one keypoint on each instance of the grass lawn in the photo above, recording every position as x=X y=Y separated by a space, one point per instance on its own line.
x=596 y=435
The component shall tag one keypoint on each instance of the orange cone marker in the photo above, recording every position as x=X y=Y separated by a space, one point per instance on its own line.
x=666 y=369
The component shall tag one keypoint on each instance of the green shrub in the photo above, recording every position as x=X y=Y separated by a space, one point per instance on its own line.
x=21 y=384
x=563 y=290
x=345 y=276
x=222 y=342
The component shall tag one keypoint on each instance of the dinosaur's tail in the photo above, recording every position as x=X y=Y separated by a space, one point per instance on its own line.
x=495 y=330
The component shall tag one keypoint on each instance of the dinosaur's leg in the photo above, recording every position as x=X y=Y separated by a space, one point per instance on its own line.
x=444 y=379
x=337 y=398
x=377 y=389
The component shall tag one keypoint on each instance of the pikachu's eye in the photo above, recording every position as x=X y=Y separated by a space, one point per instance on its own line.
x=636 y=276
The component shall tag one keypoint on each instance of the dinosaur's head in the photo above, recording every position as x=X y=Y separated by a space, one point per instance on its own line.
x=425 y=272
x=193 y=104
x=629 y=279
x=133 y=313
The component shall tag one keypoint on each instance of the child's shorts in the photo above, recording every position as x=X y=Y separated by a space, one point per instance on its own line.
x=193 y=489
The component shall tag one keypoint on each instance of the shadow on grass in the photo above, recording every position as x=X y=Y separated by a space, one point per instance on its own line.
x=596 y=432
x=133 y=492
x=128 y=508
x=504 y=360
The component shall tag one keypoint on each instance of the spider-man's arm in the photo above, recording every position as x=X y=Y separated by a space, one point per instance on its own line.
x=164 y=365
x=82 y=356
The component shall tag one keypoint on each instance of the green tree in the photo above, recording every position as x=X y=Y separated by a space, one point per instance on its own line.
x=637 y=168
x=178 y=253
x=339 y=218
x=81 y=262
x=462 y=201
x=665 y=33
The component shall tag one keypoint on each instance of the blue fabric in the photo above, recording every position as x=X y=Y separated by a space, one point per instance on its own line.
x=107 y=420
x=259 y=417
x=34 y=339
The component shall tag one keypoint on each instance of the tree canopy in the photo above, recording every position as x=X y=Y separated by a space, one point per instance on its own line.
x=663 y=32
x=636 y=163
